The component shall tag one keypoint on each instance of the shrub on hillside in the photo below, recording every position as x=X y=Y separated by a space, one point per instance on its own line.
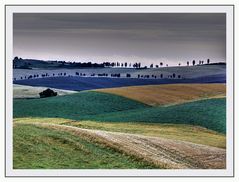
x=47 y=93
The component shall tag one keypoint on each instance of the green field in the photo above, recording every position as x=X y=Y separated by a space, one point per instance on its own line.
x=74 y=106
x=210 y=113
x=35 y=148
x=94 y=106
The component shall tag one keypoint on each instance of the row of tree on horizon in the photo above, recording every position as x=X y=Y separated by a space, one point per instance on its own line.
x=28 y=63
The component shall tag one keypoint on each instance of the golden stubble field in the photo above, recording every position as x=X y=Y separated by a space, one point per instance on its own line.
x=169 y=93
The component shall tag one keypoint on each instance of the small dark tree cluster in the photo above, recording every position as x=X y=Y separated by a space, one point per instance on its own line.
x=47 y=93
x=128 y=75
x=117 y=75
x=136 y=65
x=102 y=74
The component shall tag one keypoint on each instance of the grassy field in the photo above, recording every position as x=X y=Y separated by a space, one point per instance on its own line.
x=169 y=93
x=96 y=106
x=210 y=113
x=35 y=148
x=74 y=106
x=181 y=132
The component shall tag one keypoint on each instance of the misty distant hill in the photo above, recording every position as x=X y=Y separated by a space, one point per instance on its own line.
x=19 y=63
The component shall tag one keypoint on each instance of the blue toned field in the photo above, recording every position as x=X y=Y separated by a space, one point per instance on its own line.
x=89 y=83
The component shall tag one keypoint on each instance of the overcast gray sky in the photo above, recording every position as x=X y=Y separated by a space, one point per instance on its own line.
x=145 y=37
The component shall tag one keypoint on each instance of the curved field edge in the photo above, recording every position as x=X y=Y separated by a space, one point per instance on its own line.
x=90 y=83
x=209 y=113
x=96 y=106
x=164 y=153
x=180 y=132
x=74 y=106
x=169 y=93
x=35 y=147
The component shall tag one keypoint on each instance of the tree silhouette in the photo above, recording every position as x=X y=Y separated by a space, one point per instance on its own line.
x=161 y=64
x=112 y=64
x=15 y=60
x=187 y=63
x=151 y=66
x=208 y=61
x=128 y=75
x=194 y=62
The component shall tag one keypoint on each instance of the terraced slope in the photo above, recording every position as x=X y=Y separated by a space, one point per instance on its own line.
x=164 y=153
x=169 y=93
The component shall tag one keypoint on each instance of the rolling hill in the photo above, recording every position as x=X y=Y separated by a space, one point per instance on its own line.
x=172 y=126
x=169 y=93
x=98 y=106
x=74 y=106
x=159 y=152
x=90 y=83
x=35 y=147
x=186 y=72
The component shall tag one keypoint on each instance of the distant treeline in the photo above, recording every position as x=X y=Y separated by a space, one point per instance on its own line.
x=33 y=63
x=19 y=63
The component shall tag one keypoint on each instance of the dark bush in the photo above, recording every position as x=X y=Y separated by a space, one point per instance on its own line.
x=47 y=93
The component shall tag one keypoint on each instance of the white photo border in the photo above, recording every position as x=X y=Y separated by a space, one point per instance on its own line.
x=228 y=9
